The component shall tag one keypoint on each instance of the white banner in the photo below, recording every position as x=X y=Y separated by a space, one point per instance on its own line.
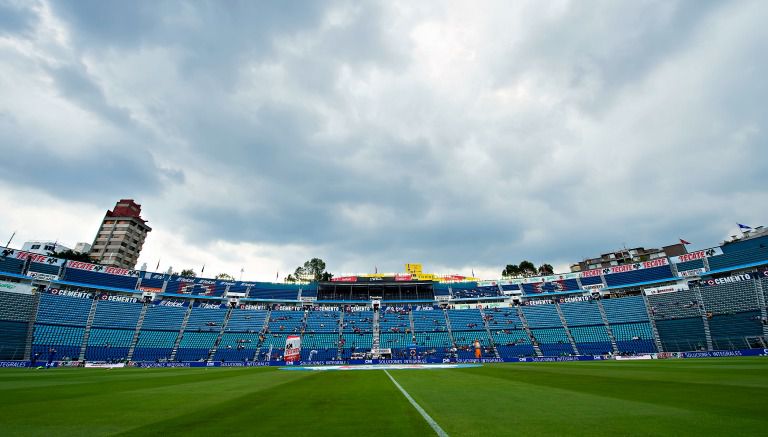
x=666 y=289
x=691 y=272
x=699 y=254
x=43 y=276
x=593 y=287
x=15 y=287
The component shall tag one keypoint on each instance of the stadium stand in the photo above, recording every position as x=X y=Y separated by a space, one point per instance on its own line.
x=60 y=324
x=717 y=312
x=628 y=319
x=15 y=313
x=112 y=330
x=587 y=327
x=159 y=330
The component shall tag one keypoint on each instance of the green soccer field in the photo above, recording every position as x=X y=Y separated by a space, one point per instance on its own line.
x=706 y=396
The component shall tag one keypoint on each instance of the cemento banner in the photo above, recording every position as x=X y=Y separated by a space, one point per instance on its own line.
x=15 y=287
x=292 y=349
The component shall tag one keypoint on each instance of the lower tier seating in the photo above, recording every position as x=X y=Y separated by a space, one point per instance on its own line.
x=680 y=335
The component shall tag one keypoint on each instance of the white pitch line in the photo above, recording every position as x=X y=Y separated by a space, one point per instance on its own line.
x=439 y=431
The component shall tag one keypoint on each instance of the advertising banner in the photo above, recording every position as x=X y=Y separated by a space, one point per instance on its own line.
x=727 y=279
x=699 y=254
x=665 y=289
x=15 y=287
x=691 y=273
x=79 y=265
x=292 y=349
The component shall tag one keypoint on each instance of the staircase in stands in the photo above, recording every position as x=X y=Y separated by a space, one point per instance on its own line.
x=216 y=343
x=761 y=293
x=447 y=325
x=87 y=332
x=604 y=316
x=181 y=331
x=139 y=324
x=31 y=326
x=567 y=329
x=704 y=318
x=339 y=348
x=262 y=333
x=654 y=329
x=534 y=342
x=488 y=331
x=376 y=342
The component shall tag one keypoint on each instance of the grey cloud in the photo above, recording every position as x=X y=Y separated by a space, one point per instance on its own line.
x=16 y=17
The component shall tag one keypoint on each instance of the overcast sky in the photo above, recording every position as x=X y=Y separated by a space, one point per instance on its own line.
x=463 y=135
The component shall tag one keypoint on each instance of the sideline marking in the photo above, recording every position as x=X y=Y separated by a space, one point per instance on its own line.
x=439 y=431
x=382 y=367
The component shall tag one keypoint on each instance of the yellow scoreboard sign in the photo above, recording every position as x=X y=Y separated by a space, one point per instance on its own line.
x=414 y=269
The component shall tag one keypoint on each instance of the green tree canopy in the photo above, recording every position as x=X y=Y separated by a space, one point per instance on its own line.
x=546 y=269
x=527 y=268
x=188 y=273
x=225 y=277
x=71 y=254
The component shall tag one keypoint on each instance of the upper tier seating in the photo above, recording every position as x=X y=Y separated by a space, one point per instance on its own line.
x=625 y=309
x=637 y=276
x=246 y=321
x=581 y=313
x=429 y=321
x=283 y=321
x=362 y=320
x=322 y=321
x=730 y=298
x=541 y=316
x=466 y=320
x=680 y=304
x=732 y=259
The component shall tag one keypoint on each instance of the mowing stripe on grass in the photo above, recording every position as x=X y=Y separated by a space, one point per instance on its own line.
x=439 y=431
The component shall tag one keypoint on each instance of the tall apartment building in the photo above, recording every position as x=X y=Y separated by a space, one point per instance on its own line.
x=121 y=236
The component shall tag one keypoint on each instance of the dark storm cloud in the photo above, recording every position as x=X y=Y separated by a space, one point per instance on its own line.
x=391 y=132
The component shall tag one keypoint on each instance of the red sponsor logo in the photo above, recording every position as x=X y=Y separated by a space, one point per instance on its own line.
x=345 y=279
x=590 y=273
x=692 y=256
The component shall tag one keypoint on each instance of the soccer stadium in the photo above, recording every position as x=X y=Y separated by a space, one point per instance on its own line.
x=383 y=217
x=633 y=342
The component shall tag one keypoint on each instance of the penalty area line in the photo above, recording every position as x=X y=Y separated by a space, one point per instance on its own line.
x=439 y=431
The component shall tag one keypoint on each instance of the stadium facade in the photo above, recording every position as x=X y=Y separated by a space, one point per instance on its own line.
x=709 y=300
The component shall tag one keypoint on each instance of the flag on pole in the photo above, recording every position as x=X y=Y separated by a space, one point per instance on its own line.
x=683 y=241
x=473 y=273
x=375 y=269
x=277 y=275
x=158 y=265
x=202 y=270
x=743 y=227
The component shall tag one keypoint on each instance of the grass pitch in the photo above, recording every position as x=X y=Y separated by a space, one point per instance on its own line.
x=705 y=396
